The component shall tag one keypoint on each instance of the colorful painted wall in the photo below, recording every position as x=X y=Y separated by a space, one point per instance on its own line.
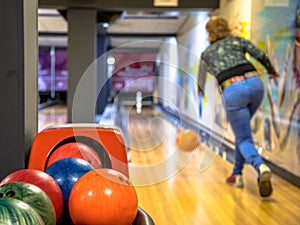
x=275 y=29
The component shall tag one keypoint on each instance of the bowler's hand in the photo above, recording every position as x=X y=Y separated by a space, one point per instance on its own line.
x=274 y=78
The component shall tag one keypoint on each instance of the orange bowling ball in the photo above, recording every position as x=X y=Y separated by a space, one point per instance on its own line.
x=103 y=197
x=187 y=140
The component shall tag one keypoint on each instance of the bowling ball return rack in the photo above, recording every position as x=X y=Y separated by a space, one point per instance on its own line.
x=107 y=141
x=142 y=218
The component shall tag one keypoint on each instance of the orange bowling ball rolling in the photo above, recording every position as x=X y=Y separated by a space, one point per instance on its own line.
x=187 y=140
x=103 y=197
x=75 y=150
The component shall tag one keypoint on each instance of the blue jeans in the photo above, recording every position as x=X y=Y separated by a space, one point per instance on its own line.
x=242 y=99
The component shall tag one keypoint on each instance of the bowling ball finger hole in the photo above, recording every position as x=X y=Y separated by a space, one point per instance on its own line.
x=1 y=195
x=10 y=194
x=123 y=180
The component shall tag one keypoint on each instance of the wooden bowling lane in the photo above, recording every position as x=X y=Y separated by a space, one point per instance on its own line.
x=149 y=134
x=196 y=197
x=190 y=196
x=53 y=115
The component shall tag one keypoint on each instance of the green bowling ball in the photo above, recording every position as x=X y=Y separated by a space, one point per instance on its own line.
x=16 y=212
x=33 y=196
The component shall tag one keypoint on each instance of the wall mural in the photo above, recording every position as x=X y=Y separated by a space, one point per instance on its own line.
x=277 y=124
x=240 y=27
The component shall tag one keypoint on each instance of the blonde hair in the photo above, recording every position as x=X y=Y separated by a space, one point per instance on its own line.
x=217 y=28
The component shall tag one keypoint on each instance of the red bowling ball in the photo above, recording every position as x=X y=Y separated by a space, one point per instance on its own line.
x=103 y=197
x=41 y=180
x=75 y=150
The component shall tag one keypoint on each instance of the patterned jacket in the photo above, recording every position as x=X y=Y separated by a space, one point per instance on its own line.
x=226 y=58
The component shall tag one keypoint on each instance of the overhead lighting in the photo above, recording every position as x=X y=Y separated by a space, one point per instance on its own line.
x=111 y=60
x=48 y=12
x=151 y=15
x=105 y=25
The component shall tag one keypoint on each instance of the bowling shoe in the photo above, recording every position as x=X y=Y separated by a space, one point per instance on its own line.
x=235 y=180
x=264 y=181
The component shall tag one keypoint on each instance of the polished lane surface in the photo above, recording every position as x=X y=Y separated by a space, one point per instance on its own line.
x=188 y=195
